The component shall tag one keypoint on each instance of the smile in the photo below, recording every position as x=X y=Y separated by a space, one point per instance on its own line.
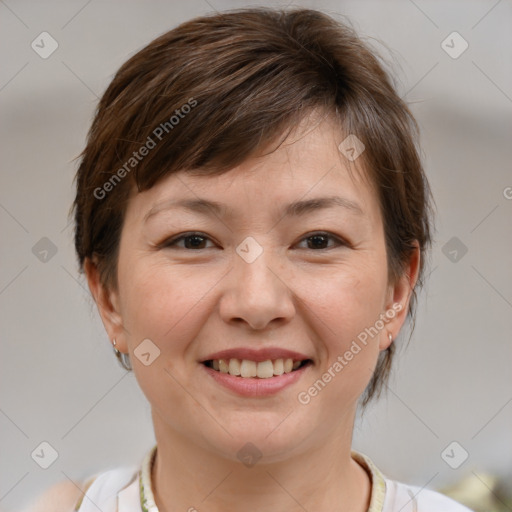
x=248 y=369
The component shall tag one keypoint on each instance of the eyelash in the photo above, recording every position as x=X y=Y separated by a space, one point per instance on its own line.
x=171 y=243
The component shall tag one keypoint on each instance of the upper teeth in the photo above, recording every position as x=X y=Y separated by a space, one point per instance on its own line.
x=263 y=369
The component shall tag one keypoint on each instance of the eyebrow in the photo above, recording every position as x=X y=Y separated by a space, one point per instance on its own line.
x=295 y=209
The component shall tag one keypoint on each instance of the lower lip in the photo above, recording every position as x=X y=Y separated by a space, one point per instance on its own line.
x=254 y=386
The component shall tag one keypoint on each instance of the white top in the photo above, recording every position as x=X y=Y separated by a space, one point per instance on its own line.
x=119 y=490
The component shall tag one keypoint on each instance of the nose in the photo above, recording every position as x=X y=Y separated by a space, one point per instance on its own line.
x=257 y=293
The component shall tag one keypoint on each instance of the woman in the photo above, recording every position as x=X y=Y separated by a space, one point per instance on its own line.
x=253 y=218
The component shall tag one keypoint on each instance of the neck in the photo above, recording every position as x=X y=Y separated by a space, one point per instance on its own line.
x=323 y=478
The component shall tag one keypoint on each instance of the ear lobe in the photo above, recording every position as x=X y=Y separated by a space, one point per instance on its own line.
x=108 y=305
x=400 y=297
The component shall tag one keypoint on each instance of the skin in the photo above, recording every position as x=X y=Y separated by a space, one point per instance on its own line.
x=193 y=302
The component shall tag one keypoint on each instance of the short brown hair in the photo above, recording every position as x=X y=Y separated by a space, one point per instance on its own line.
x=222 y=87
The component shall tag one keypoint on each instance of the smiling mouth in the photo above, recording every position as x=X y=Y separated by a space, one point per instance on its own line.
x=247 y=369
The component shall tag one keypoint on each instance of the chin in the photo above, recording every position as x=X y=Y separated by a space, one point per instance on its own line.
x=266 y=439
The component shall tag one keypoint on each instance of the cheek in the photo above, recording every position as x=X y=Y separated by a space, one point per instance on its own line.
x=347 y=307
x=347 y=301
x=164 y=302
x=166 y=305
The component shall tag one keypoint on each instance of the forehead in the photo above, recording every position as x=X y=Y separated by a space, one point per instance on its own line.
x=307 y=164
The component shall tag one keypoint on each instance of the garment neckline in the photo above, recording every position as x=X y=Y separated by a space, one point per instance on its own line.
x=377 y=482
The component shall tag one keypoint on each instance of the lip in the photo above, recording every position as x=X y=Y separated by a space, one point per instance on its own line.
x=258 y=356
x=255 y=387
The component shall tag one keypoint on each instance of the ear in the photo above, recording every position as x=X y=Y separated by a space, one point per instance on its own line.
x=107 y=302
x=399 y=296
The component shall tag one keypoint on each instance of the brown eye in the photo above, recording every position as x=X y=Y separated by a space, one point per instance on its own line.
x=194 y=242
x=321 y=241
x=190 y=240
x=318 y=242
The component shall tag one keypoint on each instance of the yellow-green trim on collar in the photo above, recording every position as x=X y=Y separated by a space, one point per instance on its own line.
x=378 y=486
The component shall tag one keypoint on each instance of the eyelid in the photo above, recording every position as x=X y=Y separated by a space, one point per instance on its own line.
x=172 y=241
x=340 y=240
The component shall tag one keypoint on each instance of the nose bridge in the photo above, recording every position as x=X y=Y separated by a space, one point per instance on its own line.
x=253 y=267
x=256 y=294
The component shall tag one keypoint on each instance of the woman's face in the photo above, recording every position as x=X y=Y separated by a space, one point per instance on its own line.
x=276 y=272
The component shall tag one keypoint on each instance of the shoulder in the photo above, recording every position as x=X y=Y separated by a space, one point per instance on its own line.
x=409 y=498
x=100 y=488
x=61 y=497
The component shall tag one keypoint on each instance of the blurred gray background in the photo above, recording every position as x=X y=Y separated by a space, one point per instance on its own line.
x=60 y=382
